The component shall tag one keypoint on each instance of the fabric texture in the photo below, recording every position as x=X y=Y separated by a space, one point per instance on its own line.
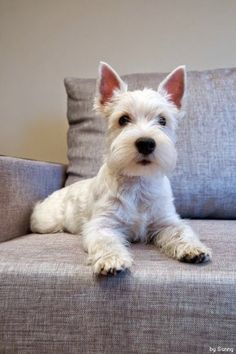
x=204 y=182
x=22 y=183
x=50 y=302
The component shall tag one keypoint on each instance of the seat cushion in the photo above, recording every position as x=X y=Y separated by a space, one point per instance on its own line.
x=204 y=180
x=50 y=302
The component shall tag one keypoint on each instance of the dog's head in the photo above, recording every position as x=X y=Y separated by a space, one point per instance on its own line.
x=141 y=123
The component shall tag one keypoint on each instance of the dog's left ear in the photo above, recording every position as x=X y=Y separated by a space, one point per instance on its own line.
x=108 y=82
x=174 y=85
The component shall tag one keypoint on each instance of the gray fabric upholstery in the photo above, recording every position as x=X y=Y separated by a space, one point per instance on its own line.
x=22 y=183
x=50 y=302
x=204 y=181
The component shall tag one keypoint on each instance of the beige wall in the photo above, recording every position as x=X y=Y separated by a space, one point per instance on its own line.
x=41 y=42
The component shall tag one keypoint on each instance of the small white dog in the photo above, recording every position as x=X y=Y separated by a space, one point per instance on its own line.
x=130 y=199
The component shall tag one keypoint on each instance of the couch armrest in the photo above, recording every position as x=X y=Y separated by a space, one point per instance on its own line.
x=22 y=183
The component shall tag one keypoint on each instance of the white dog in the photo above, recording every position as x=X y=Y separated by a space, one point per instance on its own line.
x=130 y=199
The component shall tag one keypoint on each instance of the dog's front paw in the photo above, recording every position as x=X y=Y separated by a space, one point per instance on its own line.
x=112 y=264
x=193 y=254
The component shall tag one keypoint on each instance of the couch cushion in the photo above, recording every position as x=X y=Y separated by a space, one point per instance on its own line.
x=50 y=302
x=22 y=183
x=204 y=180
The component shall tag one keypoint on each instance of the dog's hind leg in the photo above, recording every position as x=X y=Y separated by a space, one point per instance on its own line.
x=48 y=215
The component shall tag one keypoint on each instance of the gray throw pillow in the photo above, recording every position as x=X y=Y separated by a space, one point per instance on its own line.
x=204 y=181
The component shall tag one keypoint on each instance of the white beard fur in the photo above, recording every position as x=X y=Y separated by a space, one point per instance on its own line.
x=127 y=201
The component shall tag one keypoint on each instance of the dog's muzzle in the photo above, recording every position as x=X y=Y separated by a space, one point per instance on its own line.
x=145 y=146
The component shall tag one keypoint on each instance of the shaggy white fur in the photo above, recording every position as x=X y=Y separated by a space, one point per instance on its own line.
x=130 y=199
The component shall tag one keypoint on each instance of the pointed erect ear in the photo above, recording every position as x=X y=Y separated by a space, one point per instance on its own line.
x=108 y=82
x=174 y=85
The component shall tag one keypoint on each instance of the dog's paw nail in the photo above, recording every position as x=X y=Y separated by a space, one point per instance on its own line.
x=114 y=271
x=111 y=265
x=199 y=258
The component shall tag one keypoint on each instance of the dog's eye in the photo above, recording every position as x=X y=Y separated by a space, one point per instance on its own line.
x=124 y=120
x=162 y=120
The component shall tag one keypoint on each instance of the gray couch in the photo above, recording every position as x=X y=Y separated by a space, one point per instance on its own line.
x=50 y=302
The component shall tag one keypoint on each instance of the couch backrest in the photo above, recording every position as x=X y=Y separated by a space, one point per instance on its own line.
x=204 y=181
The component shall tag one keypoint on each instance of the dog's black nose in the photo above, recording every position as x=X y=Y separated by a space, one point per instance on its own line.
x=145 y=145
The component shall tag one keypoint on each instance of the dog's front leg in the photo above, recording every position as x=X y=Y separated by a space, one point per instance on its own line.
x=179 y=241
x=107 y=248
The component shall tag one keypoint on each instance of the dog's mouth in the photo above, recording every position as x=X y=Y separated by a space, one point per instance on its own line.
x=144 y=162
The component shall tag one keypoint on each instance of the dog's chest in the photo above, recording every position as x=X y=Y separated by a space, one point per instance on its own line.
x=136 y=212
x=138 y=228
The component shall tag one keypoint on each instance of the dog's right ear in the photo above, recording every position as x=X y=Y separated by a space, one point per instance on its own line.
x=108 y=82
x=174 y=85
